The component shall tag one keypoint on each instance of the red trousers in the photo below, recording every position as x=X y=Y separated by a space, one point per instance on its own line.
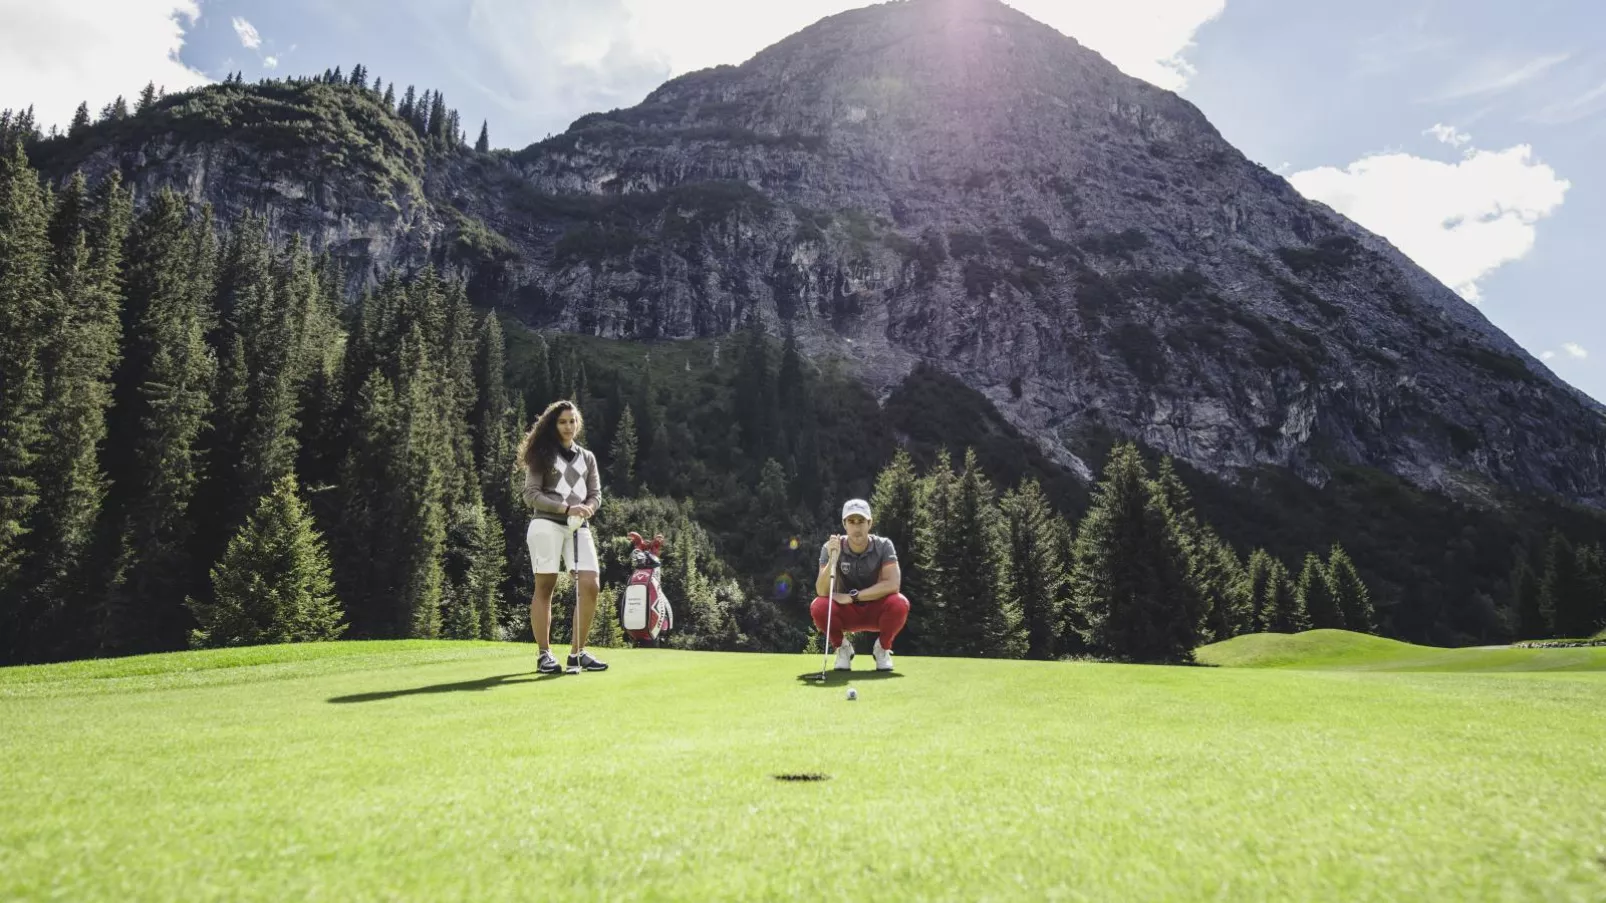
x=884 y=616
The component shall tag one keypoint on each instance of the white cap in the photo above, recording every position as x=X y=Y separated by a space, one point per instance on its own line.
x=857 y=506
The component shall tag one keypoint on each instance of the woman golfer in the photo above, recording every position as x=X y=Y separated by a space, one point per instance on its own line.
x=866 y=597
x=563 y=488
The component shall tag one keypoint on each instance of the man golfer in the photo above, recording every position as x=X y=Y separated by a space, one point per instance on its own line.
x=866 y=595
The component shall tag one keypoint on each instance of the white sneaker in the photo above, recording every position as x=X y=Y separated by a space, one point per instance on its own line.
x=883 y=657
x=844 y=656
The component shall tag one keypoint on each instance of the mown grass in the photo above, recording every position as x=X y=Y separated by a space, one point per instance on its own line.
x=440 y=771
x=1344 y=650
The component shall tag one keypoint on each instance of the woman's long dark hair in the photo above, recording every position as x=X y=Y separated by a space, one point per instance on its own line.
x=540 y=445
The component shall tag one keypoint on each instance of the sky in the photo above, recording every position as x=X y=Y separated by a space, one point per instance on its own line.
x=1467 y=132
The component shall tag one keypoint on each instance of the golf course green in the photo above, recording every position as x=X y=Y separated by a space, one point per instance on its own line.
x=451 y=771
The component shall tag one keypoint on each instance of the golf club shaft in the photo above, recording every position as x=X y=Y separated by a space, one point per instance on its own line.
x=830 y=603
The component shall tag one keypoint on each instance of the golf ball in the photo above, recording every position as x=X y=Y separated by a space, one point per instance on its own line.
x=852 y=693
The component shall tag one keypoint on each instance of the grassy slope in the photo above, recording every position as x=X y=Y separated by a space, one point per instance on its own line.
x=448 y=771
x=1343 y=650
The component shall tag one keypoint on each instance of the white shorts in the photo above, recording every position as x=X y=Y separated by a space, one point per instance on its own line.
x=549 y=540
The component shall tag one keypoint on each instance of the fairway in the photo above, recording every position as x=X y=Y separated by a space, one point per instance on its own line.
x=1343 y=650
x=450 y=771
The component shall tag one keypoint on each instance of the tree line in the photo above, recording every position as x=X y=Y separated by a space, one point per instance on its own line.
x=427 y=113
x=1139 y=578
x=202 y=442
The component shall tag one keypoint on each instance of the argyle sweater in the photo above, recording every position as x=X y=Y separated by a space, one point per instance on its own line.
x=568 y=481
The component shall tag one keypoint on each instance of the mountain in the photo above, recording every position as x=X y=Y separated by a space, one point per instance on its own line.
x=945 y=181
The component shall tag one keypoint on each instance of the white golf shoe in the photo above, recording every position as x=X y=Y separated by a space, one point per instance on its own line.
x=883 y=657
x=844 y=656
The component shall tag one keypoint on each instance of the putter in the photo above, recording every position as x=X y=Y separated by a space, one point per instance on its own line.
x=574 y=566
x=825 y=641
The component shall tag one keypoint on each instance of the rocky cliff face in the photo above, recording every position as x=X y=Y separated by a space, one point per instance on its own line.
x=949 y=180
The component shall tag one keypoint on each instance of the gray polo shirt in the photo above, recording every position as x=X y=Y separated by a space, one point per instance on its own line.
x=863 y=570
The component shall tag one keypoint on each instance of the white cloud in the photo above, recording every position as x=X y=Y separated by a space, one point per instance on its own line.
x=1581 y=106
x=249 y=39
x=272 y=62
x=54 y=55
x=1574 y=349
x=1548 y=355
x=1449 y=135
x=1145 y=38
x=1495 y=77
x=1460 y=221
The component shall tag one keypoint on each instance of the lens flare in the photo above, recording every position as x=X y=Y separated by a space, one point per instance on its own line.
x=793 y=544
x=783 y=586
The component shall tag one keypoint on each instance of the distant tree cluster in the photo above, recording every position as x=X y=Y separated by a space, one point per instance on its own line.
x=1141 y=578
x=1565 y=595
x=202 y=443
x=438 y=125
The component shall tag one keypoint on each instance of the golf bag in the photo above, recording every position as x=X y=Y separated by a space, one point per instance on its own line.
x=644 y=611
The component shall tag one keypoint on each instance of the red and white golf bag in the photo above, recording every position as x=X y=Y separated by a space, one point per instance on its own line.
x=644 y=612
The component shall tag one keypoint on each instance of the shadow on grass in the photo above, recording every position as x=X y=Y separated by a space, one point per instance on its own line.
x=843 y=678
x=466 y=686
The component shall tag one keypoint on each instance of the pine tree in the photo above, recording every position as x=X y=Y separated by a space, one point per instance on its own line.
x=80 y=121
x=1283 y=611
x=798 y=433
x=1257 y=587
x=368 y=558
x=1527 y=601
x=1038 y=573
x=486 y=572
x=1592 y=564
x=756 y=399
x=652 y=454
x=493 y=441
x=24 y=293
x=1195 y=542
x=1315 y=595
x=435 y=128
x=390 y=97
x=408 y=111
x=1128 y=577
x=80 y=351
x=540 y=388
x=1349 y=592
x=483 y=145
x=622 y=459
x=162 y=400
x=937 y=548
x=115 y=111
x=605 y=629
x=896 y=505
x=424 y=454
x=1229 y=609
x=273 y=584
x=1564 y=593
x=147 y=99
x=985 y=611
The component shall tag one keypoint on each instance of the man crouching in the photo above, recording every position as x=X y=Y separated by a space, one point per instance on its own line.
x=867 y=582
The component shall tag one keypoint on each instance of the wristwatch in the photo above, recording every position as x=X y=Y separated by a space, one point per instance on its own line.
x=853 y=594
